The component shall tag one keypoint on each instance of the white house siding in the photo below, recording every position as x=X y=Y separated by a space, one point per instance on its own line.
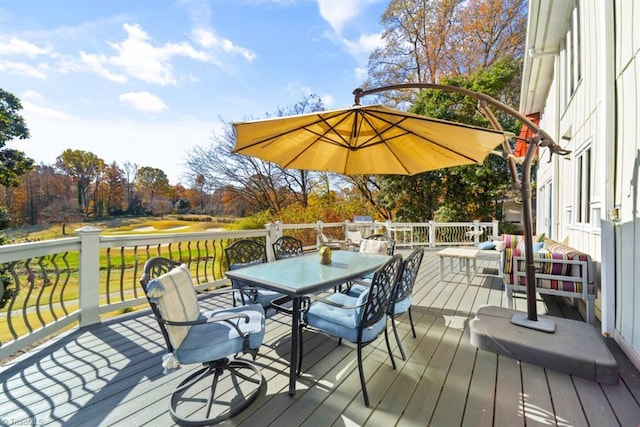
x=574 y=120
x=603 y=113
x=627 y=194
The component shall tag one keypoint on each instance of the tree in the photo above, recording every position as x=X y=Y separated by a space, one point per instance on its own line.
x=262 y=185
x=131 y=172
x=368 y=187
x=13 y=163
x=83 y=167
x=469 y=192
x=113 y=188
x=62 y=211
x=300 y=182
x=427 y=40
x=152 y=182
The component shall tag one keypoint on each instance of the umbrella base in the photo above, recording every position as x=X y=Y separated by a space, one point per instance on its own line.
x=543 y=323
x=576 y=347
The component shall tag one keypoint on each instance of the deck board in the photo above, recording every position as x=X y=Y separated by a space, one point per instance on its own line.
x=110 y=374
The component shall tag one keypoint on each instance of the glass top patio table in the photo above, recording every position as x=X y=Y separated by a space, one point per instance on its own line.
x=298 y=276
x=303 y=275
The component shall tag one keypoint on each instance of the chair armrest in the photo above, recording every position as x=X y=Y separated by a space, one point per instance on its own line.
x=276 y=304
x=221 y=318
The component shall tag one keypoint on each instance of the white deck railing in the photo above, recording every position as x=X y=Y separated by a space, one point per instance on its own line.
x=85 y=278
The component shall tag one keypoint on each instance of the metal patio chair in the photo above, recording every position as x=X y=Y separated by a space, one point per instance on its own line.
x=391 y=244
x=244 y=253
x=402 y=292
x=359 y=320
x=287 y=246
x=209 y=338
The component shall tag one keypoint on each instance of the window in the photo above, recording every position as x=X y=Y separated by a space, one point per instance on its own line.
x=545 y=208
x=583 y=186
x=570 y=55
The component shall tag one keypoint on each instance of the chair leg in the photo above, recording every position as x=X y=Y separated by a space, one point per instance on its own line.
x=187 y=407
x=395 y=333
x=386 y=338
x=413 y=329
x=362 y=381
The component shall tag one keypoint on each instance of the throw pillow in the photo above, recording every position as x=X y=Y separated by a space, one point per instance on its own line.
x=486 y=245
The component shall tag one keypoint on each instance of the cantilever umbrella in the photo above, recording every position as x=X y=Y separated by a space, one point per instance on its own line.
x=365 y=140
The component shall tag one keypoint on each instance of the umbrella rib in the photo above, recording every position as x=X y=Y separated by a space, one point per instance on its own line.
x=321 y=137
x=392 y=141
x=267 y=140
x=406 y=132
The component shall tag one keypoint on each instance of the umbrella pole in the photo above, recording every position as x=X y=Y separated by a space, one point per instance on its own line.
x=541 y=138
x=531 y=320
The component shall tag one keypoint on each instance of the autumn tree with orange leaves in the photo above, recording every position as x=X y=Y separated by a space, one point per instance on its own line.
x=427 y=40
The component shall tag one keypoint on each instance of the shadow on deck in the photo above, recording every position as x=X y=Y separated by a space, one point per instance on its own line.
x=111 y=374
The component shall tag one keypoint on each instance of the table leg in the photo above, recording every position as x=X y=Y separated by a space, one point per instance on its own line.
x=441 y=269
x=295 y=328
x=466 y=261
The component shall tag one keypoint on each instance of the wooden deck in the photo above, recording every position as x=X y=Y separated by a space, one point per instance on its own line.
x=110 y=374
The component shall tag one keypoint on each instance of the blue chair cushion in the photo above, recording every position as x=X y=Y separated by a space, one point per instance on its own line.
x=213 y=341
x=343 y=322
x=265 y=296
x=402 y=306
x=356 y=290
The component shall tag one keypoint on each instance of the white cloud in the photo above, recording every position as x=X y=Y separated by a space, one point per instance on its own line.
x=24 y=69
x=32 y=95
x=96 y=63
x=140 y=59
x=328 y=100
x=369 y=42
x=338 y=12
x=144 y=101
x=363 y=47
x=15 y=46
x=209 y=40
x=137 y=57
x=361 y=73
x=297 y=89
x=34 y=109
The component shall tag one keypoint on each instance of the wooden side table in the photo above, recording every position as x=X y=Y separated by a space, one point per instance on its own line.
x=464 y=256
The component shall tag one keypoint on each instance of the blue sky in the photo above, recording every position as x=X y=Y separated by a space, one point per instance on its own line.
x=146 y=80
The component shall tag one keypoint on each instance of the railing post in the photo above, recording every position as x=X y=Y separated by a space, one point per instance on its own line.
x=89 y=275
x=476 y=232
x=318 y=233
x=495 y=229
x=432 y=234
x=272 y=236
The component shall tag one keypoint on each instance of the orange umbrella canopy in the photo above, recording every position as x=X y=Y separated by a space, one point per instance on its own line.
x=364 y=140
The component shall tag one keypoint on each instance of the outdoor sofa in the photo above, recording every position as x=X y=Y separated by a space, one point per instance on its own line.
x=560 y=270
